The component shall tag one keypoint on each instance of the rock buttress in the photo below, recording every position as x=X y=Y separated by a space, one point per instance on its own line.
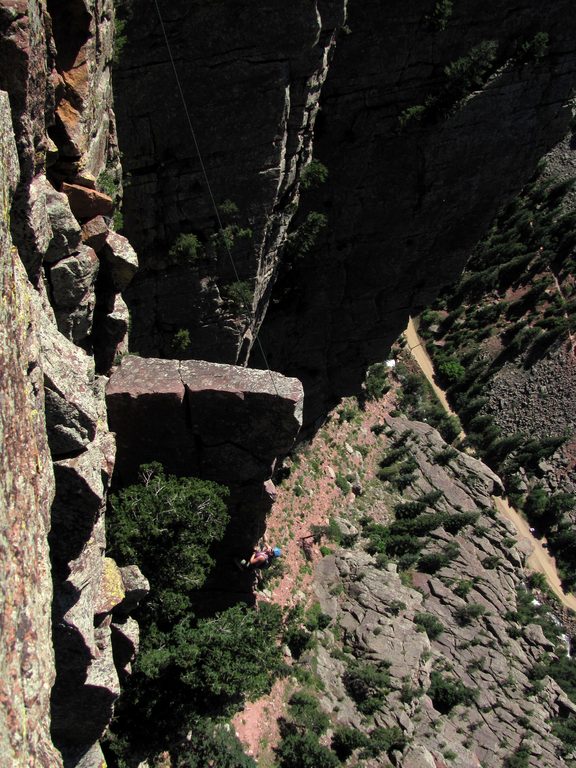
x=26 y=492
x=55 y=66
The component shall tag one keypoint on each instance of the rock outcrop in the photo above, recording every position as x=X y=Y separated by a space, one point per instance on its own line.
x=476 y=642
x=56 y=633
x=219 y=422
x=26 y=493
x=227 y=423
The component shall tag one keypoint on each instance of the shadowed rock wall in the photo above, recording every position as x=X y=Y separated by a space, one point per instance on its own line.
x=405 y=204
x=251 y=75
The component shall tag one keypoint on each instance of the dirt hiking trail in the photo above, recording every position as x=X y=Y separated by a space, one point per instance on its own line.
x=540 y=560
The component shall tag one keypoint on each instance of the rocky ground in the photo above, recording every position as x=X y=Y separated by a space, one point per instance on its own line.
x=373 y=606
x=540 y=401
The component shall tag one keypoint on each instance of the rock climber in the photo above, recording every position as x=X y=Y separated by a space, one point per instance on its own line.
x=262 y=558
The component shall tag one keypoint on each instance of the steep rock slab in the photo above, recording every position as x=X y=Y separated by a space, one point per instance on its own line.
x=24 y=75
x=252 y=76
x=225 y=422
x=26 y=491
x=381 y=612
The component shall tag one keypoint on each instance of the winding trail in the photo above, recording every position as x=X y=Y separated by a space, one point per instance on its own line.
x=540 y=560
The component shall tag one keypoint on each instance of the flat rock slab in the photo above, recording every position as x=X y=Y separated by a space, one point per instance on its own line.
x=225 y=422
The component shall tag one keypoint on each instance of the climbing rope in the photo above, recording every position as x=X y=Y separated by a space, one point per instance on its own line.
x=206 y=179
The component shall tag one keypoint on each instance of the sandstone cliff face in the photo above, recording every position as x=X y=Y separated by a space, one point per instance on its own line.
x=26 y=492
x=56 y=71
x=405 y=202
x=251 y=77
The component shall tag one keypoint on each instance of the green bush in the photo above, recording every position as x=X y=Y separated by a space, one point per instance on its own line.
x=302 y=750
x=301 y=242
x=305 y=712
x=367 y=684
x=181 y=341
x=346 y=739
x=534 y=49
x=449 y=427
x=165 y=525
x=376 y=384
x=447 y=693
x=383 y=740
x=313 y=175
x=470 y=71
x=108 y=183
x=529 y=613
x=565 y=730
x=441 y=14
x=445 y=456
x=186 y=249
x=315 y=618
x=456 y=522
x=451 y=371
x=342 y=483
x=211 y=744
x=467 y=613
x=240 y=294
x=217 y=661
x=409 y=509
x=430 y=624
x=463 y=587
x=228 y=209
x=432 y=562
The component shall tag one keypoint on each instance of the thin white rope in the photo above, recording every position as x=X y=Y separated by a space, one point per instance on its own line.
x=206 y=179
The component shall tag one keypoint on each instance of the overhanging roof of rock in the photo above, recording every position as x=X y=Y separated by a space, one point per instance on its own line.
x=223 y=421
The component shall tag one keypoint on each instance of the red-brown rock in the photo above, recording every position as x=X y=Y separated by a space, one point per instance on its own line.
x=95 y=232
x=87 y=203
x=227 y=422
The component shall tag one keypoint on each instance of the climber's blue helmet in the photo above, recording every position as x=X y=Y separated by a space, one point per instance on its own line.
x=276 y=551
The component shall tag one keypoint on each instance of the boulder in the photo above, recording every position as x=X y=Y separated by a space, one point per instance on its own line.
x=95 y=232
x=66 y=232
x=122 y=259
x=111 y=591
x=87 y=203
x=73 y=282
x=229 y=422
x=135 y=587
x=73 y=278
